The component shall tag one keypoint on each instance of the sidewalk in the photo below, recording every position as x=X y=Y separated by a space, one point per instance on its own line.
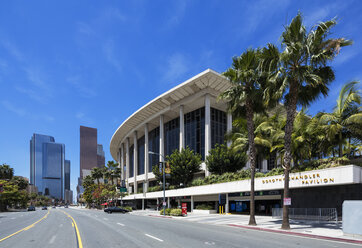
x=328 y=230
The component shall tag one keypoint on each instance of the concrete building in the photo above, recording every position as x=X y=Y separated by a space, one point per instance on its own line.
x=191 y=115
x=47 y=166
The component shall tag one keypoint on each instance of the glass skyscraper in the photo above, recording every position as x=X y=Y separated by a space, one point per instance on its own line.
x=47 y=166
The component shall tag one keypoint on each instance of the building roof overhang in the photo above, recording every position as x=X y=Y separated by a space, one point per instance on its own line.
x=208 y=80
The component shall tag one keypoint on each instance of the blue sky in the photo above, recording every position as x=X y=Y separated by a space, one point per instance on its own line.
x=70 y=63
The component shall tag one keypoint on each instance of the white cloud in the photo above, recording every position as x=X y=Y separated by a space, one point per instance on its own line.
x=24 y=113
x=109 y=53
x=177 y=14
x=176 y=66
x=84 y=28
x=83 y=90
x=13 y=50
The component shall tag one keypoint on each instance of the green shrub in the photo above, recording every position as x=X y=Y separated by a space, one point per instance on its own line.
x=176 y=212
x=168 y=211
x=204 y=207
x=128 y=208
x=154 y=188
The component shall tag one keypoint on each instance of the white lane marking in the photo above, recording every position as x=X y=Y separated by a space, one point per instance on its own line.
x=51 y=241
x=105 y=219
x=153 y=237
x=120 y=224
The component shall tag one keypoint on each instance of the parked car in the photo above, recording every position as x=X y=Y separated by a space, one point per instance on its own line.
x=65 y=206
x=53 y=206
x=44 y=208
x=115 y=209
x=31 y=208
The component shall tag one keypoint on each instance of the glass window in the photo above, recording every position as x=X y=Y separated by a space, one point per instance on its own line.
x=131 y=161
x=218 y=127
x=153 y=146
x=195 y=131
x=141 y=156
x=172 y=136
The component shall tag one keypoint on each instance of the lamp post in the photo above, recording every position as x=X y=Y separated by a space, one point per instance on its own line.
x=164 y=181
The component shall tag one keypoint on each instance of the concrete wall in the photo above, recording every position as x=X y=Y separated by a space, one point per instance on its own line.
x=352 y=217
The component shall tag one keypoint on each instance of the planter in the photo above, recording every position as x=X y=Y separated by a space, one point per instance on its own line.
x=198 y=211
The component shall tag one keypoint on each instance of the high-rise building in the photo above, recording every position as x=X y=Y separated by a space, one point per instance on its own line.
x=101 y=160
x=67 y=175
x=47 y=166
x=91 y=154
x=88 y=148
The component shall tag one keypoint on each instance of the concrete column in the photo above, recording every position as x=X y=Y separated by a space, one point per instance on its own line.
x=135 y=161
x=158 y=202
x=182 y=128
x=229 y=125
x=143 y=204
x=146 y=159
x=162 y=143
x=227 y=203
x=168 y=202
x=122 y=162
x=207 y=129
x=127 y=162
x=192 y=203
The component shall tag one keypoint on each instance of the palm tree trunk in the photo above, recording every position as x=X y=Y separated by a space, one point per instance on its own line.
x=340 y=145
x=291 y=110
x=250 y=126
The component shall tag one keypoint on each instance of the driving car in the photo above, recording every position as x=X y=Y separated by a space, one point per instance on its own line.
x=44 y=208
x=31 y=208
x=115 y=209
x=65 y=206
x=53 y=206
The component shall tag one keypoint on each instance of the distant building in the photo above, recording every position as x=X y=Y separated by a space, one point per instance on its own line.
x=68 y=197
x=47 y=166
x=91 y=154
x=67 y=175
x=101 y=160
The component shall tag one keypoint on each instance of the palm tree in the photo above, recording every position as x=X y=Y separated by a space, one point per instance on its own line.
x=244 y=97
x=97 y=173
x=345 y=115
x=302 y=76
x=6 y=172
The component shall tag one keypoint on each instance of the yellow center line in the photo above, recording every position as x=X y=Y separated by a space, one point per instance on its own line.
x=25 y=228
x=74 y=224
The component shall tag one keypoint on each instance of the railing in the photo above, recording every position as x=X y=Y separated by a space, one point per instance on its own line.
x=312 y=214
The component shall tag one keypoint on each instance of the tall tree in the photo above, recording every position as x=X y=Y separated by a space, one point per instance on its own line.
x=302 y=76
x=244 y=96
x=6 y=172
x=97 y=173
x=346 y=114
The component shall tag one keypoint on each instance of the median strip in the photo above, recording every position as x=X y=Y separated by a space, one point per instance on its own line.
x=74 y=224
x=25 y=228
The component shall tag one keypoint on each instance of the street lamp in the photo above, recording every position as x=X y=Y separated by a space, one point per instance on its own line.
x=164 y=181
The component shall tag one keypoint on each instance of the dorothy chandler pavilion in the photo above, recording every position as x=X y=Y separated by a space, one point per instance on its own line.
x=190 y=115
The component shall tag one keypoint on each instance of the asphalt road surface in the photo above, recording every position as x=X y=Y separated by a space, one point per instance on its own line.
x=70 y=227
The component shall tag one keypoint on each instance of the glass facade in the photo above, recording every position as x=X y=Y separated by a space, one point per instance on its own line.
x=218 y=127
x=131 y=159
x=141 y=156
x=67 y=174
x=172 y=136
x=36 y=159
x=195 y=131
x=154 y=146
x=53 y=169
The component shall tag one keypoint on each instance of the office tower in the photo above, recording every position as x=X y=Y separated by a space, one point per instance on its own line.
x=47 y=166
x=88 y=149
x=100 y=156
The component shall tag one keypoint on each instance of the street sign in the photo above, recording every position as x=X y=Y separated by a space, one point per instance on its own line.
x=167 y=168
x=287 y=201
x=123 y=189
x=164 y=204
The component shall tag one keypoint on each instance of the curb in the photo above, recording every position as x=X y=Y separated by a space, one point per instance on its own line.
x=160 y=216
x=299 y=234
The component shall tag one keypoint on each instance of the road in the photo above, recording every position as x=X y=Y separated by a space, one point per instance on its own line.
x=91 y=228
